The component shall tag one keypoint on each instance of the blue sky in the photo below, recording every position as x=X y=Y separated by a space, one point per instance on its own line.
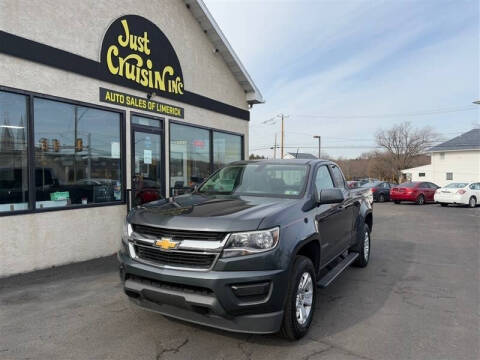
x=344 y=69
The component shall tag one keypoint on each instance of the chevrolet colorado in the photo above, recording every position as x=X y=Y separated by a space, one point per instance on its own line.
x=247 y=249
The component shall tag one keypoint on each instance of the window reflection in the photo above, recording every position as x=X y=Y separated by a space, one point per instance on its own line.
x=227 y=148
x=13 y=152
x=77 y=154
x=189 y=157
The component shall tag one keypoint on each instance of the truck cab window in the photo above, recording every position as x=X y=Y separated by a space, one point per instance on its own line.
x=323 y=180
x=338 y=177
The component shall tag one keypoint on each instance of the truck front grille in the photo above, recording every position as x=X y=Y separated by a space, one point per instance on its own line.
x=178 y=234
x=188 y=259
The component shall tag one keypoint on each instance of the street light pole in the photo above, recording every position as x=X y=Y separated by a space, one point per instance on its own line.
x=283 y=136
x=319 y=144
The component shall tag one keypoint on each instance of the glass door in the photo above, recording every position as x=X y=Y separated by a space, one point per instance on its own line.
x=148 y=164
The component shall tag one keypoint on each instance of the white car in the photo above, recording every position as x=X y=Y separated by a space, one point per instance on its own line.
x=459 y=193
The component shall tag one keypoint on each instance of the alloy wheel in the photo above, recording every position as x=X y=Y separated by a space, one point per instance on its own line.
x=366 y=246
x=304 y=298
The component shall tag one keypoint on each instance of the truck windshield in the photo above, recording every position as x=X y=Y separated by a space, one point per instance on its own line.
x=258 y=180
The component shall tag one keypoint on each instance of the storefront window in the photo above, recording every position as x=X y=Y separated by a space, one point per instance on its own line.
x=226 y=149
x=189 y=156
x=13 y=152
x=77 y=155
x=145 y=121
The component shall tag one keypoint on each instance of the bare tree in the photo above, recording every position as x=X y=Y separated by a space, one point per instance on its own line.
x=403 y=144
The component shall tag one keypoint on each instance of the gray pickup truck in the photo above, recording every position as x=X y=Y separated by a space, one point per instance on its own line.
x=247 y=249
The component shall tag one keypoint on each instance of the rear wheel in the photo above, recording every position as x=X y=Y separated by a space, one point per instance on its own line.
x=420 y=199
x=472 y=202
x=301 y=297
x=444 y=205
x=363 y=248
x=381 y=198
x=397 y=201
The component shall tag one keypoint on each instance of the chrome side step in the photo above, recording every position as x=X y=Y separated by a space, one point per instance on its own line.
x=337 y=270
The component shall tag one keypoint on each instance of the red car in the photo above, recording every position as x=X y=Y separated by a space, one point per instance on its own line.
x=417 y=191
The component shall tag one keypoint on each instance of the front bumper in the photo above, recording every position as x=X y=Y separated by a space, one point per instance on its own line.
x=208 y=298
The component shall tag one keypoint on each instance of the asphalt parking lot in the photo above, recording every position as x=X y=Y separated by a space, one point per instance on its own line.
x=418 y=299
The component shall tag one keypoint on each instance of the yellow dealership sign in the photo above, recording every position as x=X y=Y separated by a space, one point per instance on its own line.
x=136 y=51
x=136 y=102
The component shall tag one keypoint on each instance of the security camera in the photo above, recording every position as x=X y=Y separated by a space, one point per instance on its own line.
x=150 y=95
x=215 y=51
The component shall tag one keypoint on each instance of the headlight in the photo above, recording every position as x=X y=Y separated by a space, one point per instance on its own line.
x=127 y=230
x=246 y=243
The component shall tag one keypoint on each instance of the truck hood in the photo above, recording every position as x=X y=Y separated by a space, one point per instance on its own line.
x=203 y=212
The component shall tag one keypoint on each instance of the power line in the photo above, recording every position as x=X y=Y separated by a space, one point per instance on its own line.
x=418 y=113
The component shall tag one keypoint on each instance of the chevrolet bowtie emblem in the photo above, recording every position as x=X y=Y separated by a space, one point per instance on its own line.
x=166 y=243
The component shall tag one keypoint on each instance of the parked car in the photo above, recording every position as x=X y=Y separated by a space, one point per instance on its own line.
x=247 y=249
x=416 y=191
x=459 y=193
x=364 y=181
x=145 y=190
x=353 y=184
x=98 y=190
x=380 y=190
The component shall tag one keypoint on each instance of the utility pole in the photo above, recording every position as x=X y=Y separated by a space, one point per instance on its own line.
x=275 y=148
x=273 y=121
x=319 y=145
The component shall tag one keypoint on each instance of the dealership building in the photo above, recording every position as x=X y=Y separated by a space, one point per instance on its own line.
x=103 y=105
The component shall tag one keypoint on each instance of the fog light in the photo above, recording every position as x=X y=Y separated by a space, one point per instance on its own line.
x=247 y=290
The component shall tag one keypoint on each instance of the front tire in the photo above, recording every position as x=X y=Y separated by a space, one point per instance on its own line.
x=472 y=202
x=363 y=248
x=420 y=199
x=381 y=198
x=444 y=205
x=301 y=298
x=397 y=202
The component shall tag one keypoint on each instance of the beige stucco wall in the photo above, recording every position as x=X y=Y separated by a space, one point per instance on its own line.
x=36 y=241
x=78 y=27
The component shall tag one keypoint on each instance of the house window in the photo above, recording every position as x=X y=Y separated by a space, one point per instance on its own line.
x=449 y=176
x=442 y=156
x=77 y=155
x=422 y=174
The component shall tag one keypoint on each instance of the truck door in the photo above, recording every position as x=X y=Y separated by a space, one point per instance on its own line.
x=329 y=218
x=351 y=207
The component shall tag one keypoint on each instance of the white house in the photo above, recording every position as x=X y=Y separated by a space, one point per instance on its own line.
x=456 y=160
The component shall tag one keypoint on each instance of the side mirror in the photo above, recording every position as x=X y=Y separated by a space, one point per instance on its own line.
x=329 y=196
